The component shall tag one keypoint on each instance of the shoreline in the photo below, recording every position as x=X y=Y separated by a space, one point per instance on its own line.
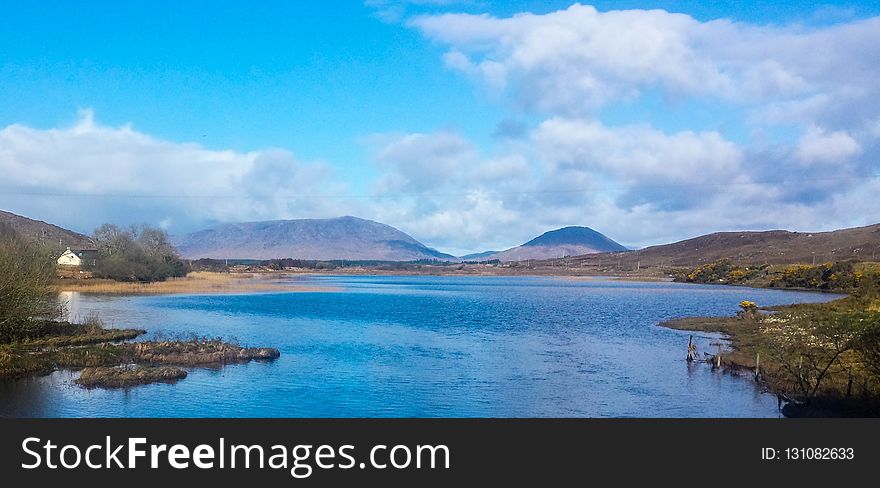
x=198 y=282
x=751 y=339
x=107 y=359
x=266 y=281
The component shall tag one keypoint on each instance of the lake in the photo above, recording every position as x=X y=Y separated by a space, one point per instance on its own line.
x=428 y=346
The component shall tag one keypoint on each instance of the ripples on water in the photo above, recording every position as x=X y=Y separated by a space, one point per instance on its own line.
x=421 y=346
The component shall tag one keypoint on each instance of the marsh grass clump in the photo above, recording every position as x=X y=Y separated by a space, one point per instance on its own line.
x=107 y=349
x=199 y=352
x=112 y=361
x=128 y=376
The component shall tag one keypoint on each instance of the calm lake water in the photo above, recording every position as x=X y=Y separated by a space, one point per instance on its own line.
x=428 y=347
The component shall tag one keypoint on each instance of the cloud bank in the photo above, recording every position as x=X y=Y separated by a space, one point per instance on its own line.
x=802 y=152
x=646 y=183
x=87 y=174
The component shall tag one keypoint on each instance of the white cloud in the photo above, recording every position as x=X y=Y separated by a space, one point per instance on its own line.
x=637 y=154
x=576 y=60
x=95 y=173
x=418 y=162
x=637 y=184
x=820 y=146
x=808 y=93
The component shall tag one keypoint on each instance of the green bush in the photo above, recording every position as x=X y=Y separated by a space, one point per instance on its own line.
x=721 y=271
x=839 y=275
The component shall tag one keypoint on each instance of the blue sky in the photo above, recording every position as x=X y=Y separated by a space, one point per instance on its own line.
x=377 y=109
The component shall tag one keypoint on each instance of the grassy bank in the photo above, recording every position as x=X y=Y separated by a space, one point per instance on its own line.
x=842 y=276
x=821 y=359
x=196 y=282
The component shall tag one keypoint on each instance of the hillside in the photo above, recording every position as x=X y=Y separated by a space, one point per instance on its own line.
x=771 y=247
x=478 y=256
x=567 y=241
x=340 y=238
x=44 y=233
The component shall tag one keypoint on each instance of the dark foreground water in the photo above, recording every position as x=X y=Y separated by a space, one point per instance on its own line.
x=425 y=347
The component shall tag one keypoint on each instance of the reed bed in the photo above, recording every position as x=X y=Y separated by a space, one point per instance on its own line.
x=196 y=282
x=128 y=376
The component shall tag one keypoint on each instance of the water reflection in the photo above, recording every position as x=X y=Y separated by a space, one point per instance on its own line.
x=69 y=303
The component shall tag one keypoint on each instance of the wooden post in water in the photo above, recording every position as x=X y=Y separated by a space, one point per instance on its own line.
x=757 y=365
x=690 y=356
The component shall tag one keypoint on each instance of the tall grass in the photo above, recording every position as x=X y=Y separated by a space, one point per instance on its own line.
x=196 y=282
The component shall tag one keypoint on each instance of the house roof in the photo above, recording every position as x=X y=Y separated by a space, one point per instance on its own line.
x=82 y=253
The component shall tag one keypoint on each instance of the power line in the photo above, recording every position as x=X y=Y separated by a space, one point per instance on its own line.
x=431 y=194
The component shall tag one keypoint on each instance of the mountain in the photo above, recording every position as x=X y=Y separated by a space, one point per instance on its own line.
x=772 y=247
x=348 y=238
x=567 y=241
x=42 y=232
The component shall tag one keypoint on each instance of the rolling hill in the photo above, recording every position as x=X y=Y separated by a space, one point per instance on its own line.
x=44 y=233
x=771 y=247
x=478 y=256
x=340 y=238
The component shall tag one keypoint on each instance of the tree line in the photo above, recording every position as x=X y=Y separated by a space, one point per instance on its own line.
x=136 y=254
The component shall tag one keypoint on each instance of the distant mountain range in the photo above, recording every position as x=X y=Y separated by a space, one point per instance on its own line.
x=567 y=241
x=347 y=238
x=44 y=233
x=357 y=239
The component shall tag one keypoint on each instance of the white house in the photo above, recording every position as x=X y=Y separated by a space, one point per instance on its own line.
x=82 y=257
